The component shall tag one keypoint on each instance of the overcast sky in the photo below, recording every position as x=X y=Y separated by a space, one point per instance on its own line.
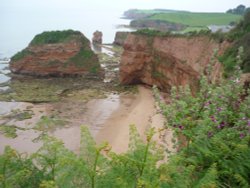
x=121 y=5
x=21 y=20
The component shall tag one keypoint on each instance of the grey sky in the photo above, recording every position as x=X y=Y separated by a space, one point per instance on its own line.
x=121 y=5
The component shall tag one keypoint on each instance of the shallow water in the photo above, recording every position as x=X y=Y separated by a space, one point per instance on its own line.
x=98 y=111
x=6 y=107
x=92 y=114
x=3 y=71
x=4 y=78
x=23 y=143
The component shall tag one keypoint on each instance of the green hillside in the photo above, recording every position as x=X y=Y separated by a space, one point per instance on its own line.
x=197 y=19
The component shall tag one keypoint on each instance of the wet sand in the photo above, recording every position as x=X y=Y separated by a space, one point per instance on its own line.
x=142 y=113
x=24 y=142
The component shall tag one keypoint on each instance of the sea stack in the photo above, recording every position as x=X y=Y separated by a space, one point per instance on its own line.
x=97 y=37
x=56 y=53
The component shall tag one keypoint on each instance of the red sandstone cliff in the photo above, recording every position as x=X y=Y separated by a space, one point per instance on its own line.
x=168 y=61
x=120 y=37
x=56 y=53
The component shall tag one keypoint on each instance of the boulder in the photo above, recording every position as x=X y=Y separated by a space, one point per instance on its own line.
x=56 y=53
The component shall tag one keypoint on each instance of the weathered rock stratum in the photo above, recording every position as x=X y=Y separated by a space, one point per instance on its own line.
x=168 y=61
x=56 y=53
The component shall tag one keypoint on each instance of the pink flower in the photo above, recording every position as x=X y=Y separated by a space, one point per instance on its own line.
x=219 y=109
x=242 y=135
x=181 y=127
x=209 y=134
x=213 y=119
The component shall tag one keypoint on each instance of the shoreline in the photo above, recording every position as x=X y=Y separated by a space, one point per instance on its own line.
x=142 y=112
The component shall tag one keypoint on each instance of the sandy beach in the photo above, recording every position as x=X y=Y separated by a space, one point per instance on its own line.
x=142 y=113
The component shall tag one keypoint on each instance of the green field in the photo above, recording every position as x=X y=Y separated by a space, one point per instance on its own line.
x=197 y=19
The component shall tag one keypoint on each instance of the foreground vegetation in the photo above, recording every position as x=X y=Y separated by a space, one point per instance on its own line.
x=215 y=124
x=212 y=140
x=239 y=36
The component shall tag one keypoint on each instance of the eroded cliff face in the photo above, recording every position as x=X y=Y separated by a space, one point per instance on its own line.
x=49 y=55
x=168 y=61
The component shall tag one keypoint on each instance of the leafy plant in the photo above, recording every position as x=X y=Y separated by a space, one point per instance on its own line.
x=20 y=55
x=239 y=36
x=17 y=170
x=137 y=167
x=212 y=130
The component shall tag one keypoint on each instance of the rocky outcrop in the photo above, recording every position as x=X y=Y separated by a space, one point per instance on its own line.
x=97 y=37
x=168 y=61
x=56 y=53
x=120 y=37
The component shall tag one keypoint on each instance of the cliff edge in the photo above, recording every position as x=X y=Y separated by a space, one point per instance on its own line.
x=167 y=61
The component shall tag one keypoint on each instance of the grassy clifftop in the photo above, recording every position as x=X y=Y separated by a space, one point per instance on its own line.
x=51 y=37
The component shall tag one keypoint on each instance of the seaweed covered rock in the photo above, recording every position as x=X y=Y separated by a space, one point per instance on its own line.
x=56 y=53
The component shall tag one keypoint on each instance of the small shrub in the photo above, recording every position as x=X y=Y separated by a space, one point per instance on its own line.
x=20 y=55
